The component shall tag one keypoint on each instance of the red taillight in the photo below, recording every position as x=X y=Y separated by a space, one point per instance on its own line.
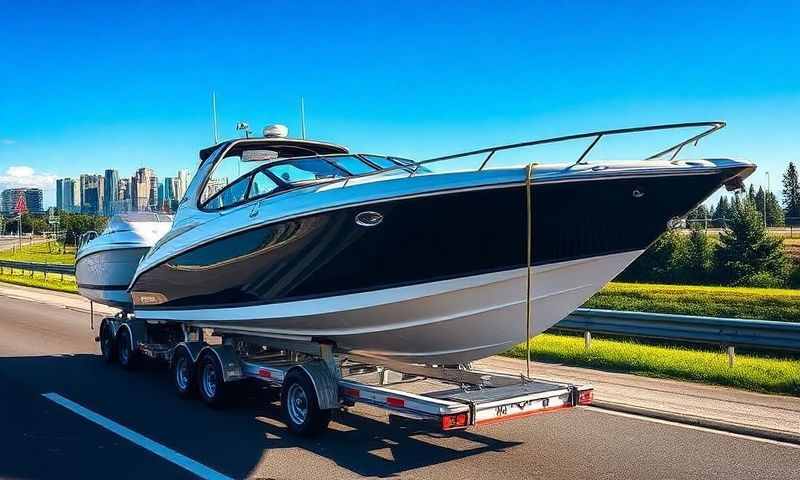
x=395 y=402
x=585 y=397
x=350 y=392
x=456 y=420
x=264 y=373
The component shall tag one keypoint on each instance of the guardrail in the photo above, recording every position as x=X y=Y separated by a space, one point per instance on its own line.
x=45 y=268
x=728 y=332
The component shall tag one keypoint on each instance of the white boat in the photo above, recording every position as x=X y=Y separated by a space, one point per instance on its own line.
x=386 y=258
x=105 y=263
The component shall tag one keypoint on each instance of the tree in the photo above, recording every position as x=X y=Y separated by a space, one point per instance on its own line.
x=722 y=212
x=698 y=217
x=699 y=257
x=791 y=192
x=746 y=250
x=663 y=262
x=775 y=216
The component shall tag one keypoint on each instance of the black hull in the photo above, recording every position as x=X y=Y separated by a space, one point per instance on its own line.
x=425 y=238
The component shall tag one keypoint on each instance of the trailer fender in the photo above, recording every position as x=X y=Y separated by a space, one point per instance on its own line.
x=325 y=385
x=191 y=348
x=228 y=359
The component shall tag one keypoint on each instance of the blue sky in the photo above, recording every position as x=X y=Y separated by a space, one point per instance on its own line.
x=100 y=85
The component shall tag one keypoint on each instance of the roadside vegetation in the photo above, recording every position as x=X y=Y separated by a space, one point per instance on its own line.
x=43 y=252
x=760 y=374
x=733 y=302
x=37 y=280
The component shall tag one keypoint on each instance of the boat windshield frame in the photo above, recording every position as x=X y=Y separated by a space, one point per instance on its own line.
x=283 y=185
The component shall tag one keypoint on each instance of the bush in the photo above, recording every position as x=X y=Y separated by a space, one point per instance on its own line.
x=762 y=280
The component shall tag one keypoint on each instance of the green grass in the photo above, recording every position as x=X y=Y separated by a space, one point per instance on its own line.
x=760 y=374
x=40 y=253
x=733 y=302
x=53 y=281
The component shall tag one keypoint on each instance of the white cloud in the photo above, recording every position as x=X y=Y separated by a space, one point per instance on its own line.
x=7 y=141
x=24 y=176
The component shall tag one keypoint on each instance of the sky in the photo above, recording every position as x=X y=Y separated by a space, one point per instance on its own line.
x=115 y=85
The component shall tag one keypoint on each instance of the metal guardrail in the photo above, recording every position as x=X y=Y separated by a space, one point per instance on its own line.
x=730 y=332
x=46 y=268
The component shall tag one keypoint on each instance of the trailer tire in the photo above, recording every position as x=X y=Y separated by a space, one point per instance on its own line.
x=210 y=382
x=300 y=407
x=126 y=356
x=107 y=346
x=183 y=374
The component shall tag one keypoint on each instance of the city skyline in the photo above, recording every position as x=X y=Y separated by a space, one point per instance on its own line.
x=108 y=193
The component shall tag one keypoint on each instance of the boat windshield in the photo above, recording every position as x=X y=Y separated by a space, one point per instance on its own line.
x=305 y=170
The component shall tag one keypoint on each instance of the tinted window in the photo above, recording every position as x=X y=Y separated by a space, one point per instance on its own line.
x=305 y=170
x=230 y=194
x=352 y=164
x=262 y=185
x=382 y=162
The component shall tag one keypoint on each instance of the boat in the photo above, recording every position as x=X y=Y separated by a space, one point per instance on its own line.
x=105 y=263
x=397 y=259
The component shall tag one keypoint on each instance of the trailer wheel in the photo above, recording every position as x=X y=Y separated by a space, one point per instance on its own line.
x=212 y=386
x=300 y=407
x=126 y=356
x=107 y=347
x=183 y=375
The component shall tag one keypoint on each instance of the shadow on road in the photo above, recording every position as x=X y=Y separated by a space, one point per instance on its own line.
x=245 y=437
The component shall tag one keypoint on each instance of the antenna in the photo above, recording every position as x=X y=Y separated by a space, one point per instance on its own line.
x=302 y=119
x=215 y=132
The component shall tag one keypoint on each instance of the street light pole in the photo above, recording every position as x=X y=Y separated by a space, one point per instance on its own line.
x=765 y=201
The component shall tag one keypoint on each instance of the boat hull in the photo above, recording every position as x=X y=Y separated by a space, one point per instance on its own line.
x=449 y=321
x=104 y=276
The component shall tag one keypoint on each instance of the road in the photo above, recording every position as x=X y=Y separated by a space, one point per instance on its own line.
x=45 y=349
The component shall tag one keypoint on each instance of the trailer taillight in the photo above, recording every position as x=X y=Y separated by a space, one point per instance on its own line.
x=455 y=420
x=264 y=373
x=350 y=392
x=585 y=397
x=395 y=402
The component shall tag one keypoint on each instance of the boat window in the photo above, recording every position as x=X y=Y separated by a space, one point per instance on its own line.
x=262 y=185
x=382 y=162
x=225 y=171
x=353 y=165
x=227 y=195
x=305 y=170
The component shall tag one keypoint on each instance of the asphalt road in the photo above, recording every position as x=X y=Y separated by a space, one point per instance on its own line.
x=46 y=349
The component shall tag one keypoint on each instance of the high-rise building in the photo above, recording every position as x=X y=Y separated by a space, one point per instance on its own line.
x=60 y=194
x=10 y=197
x=181 y=184
x=91 y=194
x=74 y=197
x=110 y=190
x=142 y=190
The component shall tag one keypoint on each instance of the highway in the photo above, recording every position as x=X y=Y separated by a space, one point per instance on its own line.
x=49 y=350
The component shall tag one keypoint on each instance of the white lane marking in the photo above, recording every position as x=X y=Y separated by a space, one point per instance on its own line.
x=164 y=452
x=692 y=427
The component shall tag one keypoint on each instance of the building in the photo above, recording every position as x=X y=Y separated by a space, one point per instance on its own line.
x=141 y=188
x=10 y=197
x=181 y=184
x=92 y=194
x=71 y=200
x=60 y=194
x=110 y=191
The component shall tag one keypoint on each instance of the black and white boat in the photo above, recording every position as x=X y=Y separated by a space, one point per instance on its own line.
x=105 y=263
x=385 y=257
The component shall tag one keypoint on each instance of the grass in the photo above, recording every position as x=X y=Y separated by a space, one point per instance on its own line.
x=733 y=302
x=760 y=374
x=53 y=281
x=40 y=253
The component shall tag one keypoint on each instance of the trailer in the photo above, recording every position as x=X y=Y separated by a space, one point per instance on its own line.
x=314 y=378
